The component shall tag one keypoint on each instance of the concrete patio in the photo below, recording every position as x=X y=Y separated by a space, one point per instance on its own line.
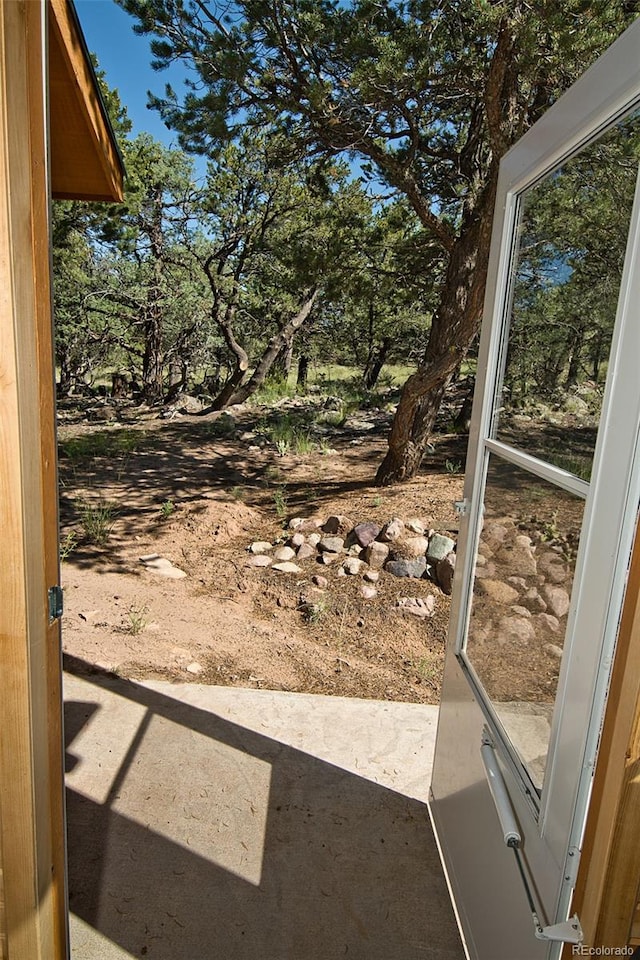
x=214 y=823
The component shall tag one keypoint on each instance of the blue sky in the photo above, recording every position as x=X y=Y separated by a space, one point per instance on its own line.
x=126 y=61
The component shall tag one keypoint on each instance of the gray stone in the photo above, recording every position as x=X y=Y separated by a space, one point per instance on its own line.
x=195 y=668
x=497 y=591
x=331 y=545
x=329 y=557
x=515 y=630
x=439 y=547
x=406 y=548
x=314 y=539
x=287 y=567
x=376 y=554
x=368 y=592
x=415 y=526
x=297 y=540
x=521 y=611
x=392 y=530
x=407 y=568
x=486 y=570
x=260 y=560
x=305 y=551
x=355 y=550
x=371 y=576
x=554 y=650
x=162 y=566
x=319 y=581
x=417 y=606
x=284 y=553
x=518 y=556
x=534 y=601
x=445 y=569
x=552 y=568
x=365 y=533
x=557 y=599
x=261 y=546
x=549 y=622
x=353 y=565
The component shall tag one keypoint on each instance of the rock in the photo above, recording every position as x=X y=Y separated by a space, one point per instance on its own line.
x=353 y=566
x=162 y=566
x=392 y=530
x=494 y=533
x=314 y=539
x=484 y=550
x=284 y=553
x=418 y=606
x=329 y=557
x=261 y=546
x=297 y=540
x=305 y=525
x=337 y=525
x=319 y=581
x=415 y=526
x=515 y=630
x=368 y=592
x=557 y=599
x=534 y=601
x=195 y=668
x=365 y=533
x=518 y=556
x=260 y=560
x=549 y=622
x=295 y=522
x=189 y=405
x=439 y=547
x=355 y=550
x=521 y=611
x=305 y=551
x=498 y=591
x=517 y=582
x=486 y=570
x=554 y=650
x=376 y=554
x=371 y=576
x=407 y=568
x=331 y=545
x=445 y=569
x=407 y=548
x=287 y=567
x=552 y=568
x=341 y=572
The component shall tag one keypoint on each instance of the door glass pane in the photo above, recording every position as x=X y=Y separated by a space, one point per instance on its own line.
x=568 y=265
x=521 y=595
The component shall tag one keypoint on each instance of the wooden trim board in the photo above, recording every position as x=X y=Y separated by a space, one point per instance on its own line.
x=607 y=885
x=31 y=805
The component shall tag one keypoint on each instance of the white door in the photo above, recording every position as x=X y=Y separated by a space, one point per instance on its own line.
x=551 y=498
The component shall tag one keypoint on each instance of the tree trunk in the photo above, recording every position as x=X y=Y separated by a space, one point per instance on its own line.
x=274 y=347
x=303 y=371
x=375 y=363
x=281 y=367
x=453 y=327
x=225 y=320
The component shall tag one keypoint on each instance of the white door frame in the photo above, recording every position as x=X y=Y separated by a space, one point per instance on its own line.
x=606 y=92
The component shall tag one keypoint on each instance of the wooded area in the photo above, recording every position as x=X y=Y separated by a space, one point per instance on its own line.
x=346 y=214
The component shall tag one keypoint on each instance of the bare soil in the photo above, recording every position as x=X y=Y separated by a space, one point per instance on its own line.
x=226 y=622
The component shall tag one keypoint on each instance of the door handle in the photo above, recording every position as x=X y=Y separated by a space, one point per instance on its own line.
x=569 y=931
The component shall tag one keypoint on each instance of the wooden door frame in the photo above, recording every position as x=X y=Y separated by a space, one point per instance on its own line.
x=31 y=741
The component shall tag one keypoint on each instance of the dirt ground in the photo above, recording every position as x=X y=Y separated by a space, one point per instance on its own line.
x=197 y=490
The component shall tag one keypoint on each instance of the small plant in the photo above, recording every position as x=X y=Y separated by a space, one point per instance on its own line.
x=137 y=617
x=280 y=502
x=97 y=521
x=67 y=545
x=453 y=466
x=313 y=612
x=167 y=509
x=237 y=492
x=282 y=445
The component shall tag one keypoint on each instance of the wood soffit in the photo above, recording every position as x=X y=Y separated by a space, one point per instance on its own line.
x=85 y=162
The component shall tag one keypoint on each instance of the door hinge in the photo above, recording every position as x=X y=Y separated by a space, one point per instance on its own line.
x=462 y=507
x=569 y=931
x=56 y=604
x=571 y=866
